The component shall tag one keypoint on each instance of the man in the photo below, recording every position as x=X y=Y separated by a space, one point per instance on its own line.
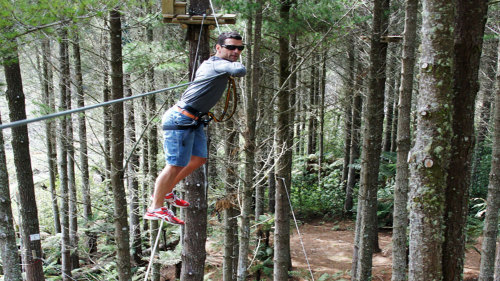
x=185 y=141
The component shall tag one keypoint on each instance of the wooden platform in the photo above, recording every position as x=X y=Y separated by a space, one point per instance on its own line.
x=175 y=12
x=209 y=20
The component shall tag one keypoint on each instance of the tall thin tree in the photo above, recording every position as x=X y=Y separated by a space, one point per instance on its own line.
x=282 y=262
x=195 y=234
x=372 y=140
x=82 y=136
x=469 y=29
x=49 y=101
x=117 y=149
x=490 y=229
x=63 y=153
x=30 y=230
x=400 y=214
x=8 y=246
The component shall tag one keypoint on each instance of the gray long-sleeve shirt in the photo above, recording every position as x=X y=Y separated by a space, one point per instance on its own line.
x=204 y=95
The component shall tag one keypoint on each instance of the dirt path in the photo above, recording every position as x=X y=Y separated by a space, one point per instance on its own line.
x=329 y=250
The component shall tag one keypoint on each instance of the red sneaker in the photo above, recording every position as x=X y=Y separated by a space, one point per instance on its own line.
x=163 y=214
x=173 y=200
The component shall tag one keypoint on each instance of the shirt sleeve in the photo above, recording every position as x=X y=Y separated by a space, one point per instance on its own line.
x=233 y=68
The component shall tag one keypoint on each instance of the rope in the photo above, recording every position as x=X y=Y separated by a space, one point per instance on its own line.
x=215 y=16
x=153 y=251
x=198 y=47
x=298 y=231
x=76 y=110
x=231 y=87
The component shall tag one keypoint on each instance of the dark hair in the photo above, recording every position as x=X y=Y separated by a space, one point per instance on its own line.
x=225 y=35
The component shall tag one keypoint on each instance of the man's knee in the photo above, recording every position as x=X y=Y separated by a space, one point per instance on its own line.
x=198 y=161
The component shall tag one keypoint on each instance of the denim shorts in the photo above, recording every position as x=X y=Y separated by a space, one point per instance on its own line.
x=180 y=145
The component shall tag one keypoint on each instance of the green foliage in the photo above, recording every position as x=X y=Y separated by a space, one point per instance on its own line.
x=313 y=197
x=480 y=178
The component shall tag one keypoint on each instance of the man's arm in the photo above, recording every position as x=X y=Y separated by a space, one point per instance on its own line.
x=233 y=68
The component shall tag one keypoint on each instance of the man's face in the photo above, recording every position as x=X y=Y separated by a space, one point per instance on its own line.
x=225 y=53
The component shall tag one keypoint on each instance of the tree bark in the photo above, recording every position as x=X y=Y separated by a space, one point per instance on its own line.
x=195 y=229
x=230 y=265
x=48 y=100
x=469 y=29
x=400 y=214
x=132 y=171
x=256 y=81
x=429 y=157
x=84 y=159
x=390 y=93
x=8 y=245
x=357 y=107
x=284 y=162
x=251 y=104
x=73 y=221
x=30 y=233
x=106 y=93
x=348 y=102
x=487 y=84
x=372 y=141
x=117 y=150
x=490 y=229
x=63 y=154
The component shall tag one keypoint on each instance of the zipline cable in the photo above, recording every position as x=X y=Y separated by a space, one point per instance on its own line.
x=76 y=110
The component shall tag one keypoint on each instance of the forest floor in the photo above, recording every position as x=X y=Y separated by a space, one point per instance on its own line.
x=329 y=250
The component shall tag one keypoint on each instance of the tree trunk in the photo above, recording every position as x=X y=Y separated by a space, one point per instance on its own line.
x=132 y=171
x=357 y=107
x=146 y=183
x=390 y=93
x=256 y=81
x=322 y=105
x=400 y=214
x=487 y=84
x=372 y=141
x=84 y=159
x=48 y=100
x=348 y=102
x=284 y=162
x=250 y=102
x=429 y=157
x=106 y=92
x=73 y=212
x=230 y=265
x=63 y=154
x=30 y=230
x=195 y=229
x=117 y=150
x=152 y=137
x=490 y=229
x=8 y=245
x=469 y=30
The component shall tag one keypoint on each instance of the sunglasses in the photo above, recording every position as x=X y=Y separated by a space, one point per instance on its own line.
x=233 y=47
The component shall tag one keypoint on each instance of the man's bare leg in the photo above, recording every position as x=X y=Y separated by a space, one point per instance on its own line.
x=194 y=163
x=170 y=176
x=164 y=184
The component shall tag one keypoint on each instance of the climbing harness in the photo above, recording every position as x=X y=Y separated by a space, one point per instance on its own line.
x=202 y=118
